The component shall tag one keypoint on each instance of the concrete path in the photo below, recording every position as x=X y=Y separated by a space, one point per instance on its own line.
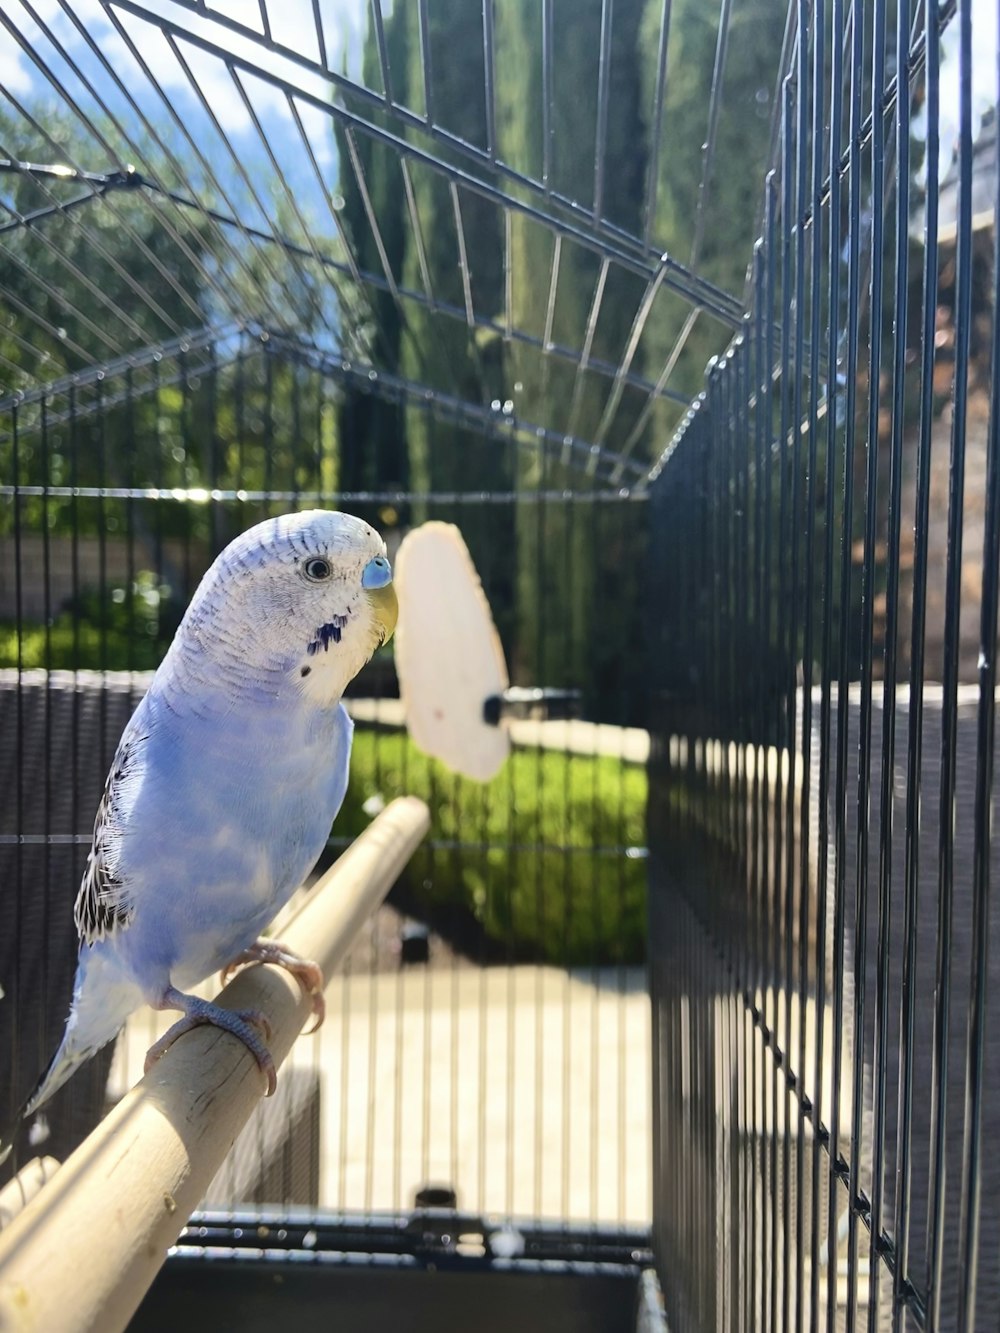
x=525 y=1088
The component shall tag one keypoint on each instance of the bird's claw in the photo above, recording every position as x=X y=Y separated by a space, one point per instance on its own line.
x=309 y=975
x=241 y=1023
x=319 y=1011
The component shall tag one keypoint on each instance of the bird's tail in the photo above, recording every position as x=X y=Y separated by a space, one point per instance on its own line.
x=63 y=1065
x=102 y=1000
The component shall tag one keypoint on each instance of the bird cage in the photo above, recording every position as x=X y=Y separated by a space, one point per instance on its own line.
x=684 y=319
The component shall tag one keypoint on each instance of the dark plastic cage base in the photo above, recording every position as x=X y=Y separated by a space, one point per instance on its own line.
x=404 y=1274
x=367 y=1296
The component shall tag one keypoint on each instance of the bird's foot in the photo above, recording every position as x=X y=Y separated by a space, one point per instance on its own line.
x=308 y=975
x=242 y=1023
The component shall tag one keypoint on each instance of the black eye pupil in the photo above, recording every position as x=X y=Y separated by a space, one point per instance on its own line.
x=317 y=569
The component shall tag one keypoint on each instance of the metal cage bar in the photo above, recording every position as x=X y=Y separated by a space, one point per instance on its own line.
x=824 y=749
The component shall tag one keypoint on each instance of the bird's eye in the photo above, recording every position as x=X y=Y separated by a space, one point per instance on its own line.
x=317 y=569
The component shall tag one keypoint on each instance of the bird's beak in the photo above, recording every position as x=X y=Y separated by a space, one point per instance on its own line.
x=376 y=579
x=386 y=608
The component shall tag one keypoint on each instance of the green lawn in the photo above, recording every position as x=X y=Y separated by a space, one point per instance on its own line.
x=539 y=868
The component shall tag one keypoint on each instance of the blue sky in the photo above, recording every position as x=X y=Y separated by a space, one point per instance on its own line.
x=345 y=23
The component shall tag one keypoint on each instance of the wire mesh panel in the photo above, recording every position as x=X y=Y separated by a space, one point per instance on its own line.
x=489 y=1036
x=258 y=258
x=458 y=261
x=255 y=258
x=823 y=939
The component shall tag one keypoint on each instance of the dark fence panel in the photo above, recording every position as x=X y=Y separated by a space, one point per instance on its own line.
x=825 y=525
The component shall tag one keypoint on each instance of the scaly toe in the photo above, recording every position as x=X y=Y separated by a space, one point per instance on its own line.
x=256 y=1019
x=309 y=975
x=253 y=1018
x=266 y=1066
x=248 y=1025
x=241 y=960
x=160 y=1047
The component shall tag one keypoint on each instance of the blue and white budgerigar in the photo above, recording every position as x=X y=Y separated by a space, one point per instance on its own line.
x=225 y=783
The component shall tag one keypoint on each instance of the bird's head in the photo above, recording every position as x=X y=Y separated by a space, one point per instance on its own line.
x=304 y=598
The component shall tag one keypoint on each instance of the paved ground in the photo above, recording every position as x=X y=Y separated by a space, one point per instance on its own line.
x=525 y=1088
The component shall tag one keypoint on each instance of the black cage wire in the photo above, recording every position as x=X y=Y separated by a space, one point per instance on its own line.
x=705 y=977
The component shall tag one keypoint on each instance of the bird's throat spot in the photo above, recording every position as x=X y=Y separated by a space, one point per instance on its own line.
x=327 y=634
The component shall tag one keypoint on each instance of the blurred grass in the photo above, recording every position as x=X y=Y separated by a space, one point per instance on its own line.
x=78 y=646
x=535 y=861
x=118 y=629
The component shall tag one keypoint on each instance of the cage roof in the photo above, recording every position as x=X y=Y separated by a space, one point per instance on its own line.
x=519 y=216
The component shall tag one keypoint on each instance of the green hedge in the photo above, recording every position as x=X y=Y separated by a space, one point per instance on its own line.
x=533 y=857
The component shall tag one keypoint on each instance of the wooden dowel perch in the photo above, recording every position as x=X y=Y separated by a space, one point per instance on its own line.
x=83 y=1253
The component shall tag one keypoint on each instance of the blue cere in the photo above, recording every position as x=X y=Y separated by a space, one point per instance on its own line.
x=377 y=573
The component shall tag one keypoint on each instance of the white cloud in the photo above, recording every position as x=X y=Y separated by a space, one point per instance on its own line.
x=18 y=72
x=293 y=27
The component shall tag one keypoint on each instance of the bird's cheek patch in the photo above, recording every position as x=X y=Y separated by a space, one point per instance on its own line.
x=327 y=634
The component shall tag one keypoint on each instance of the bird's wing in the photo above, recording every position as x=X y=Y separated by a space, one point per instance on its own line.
x=104 y=904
